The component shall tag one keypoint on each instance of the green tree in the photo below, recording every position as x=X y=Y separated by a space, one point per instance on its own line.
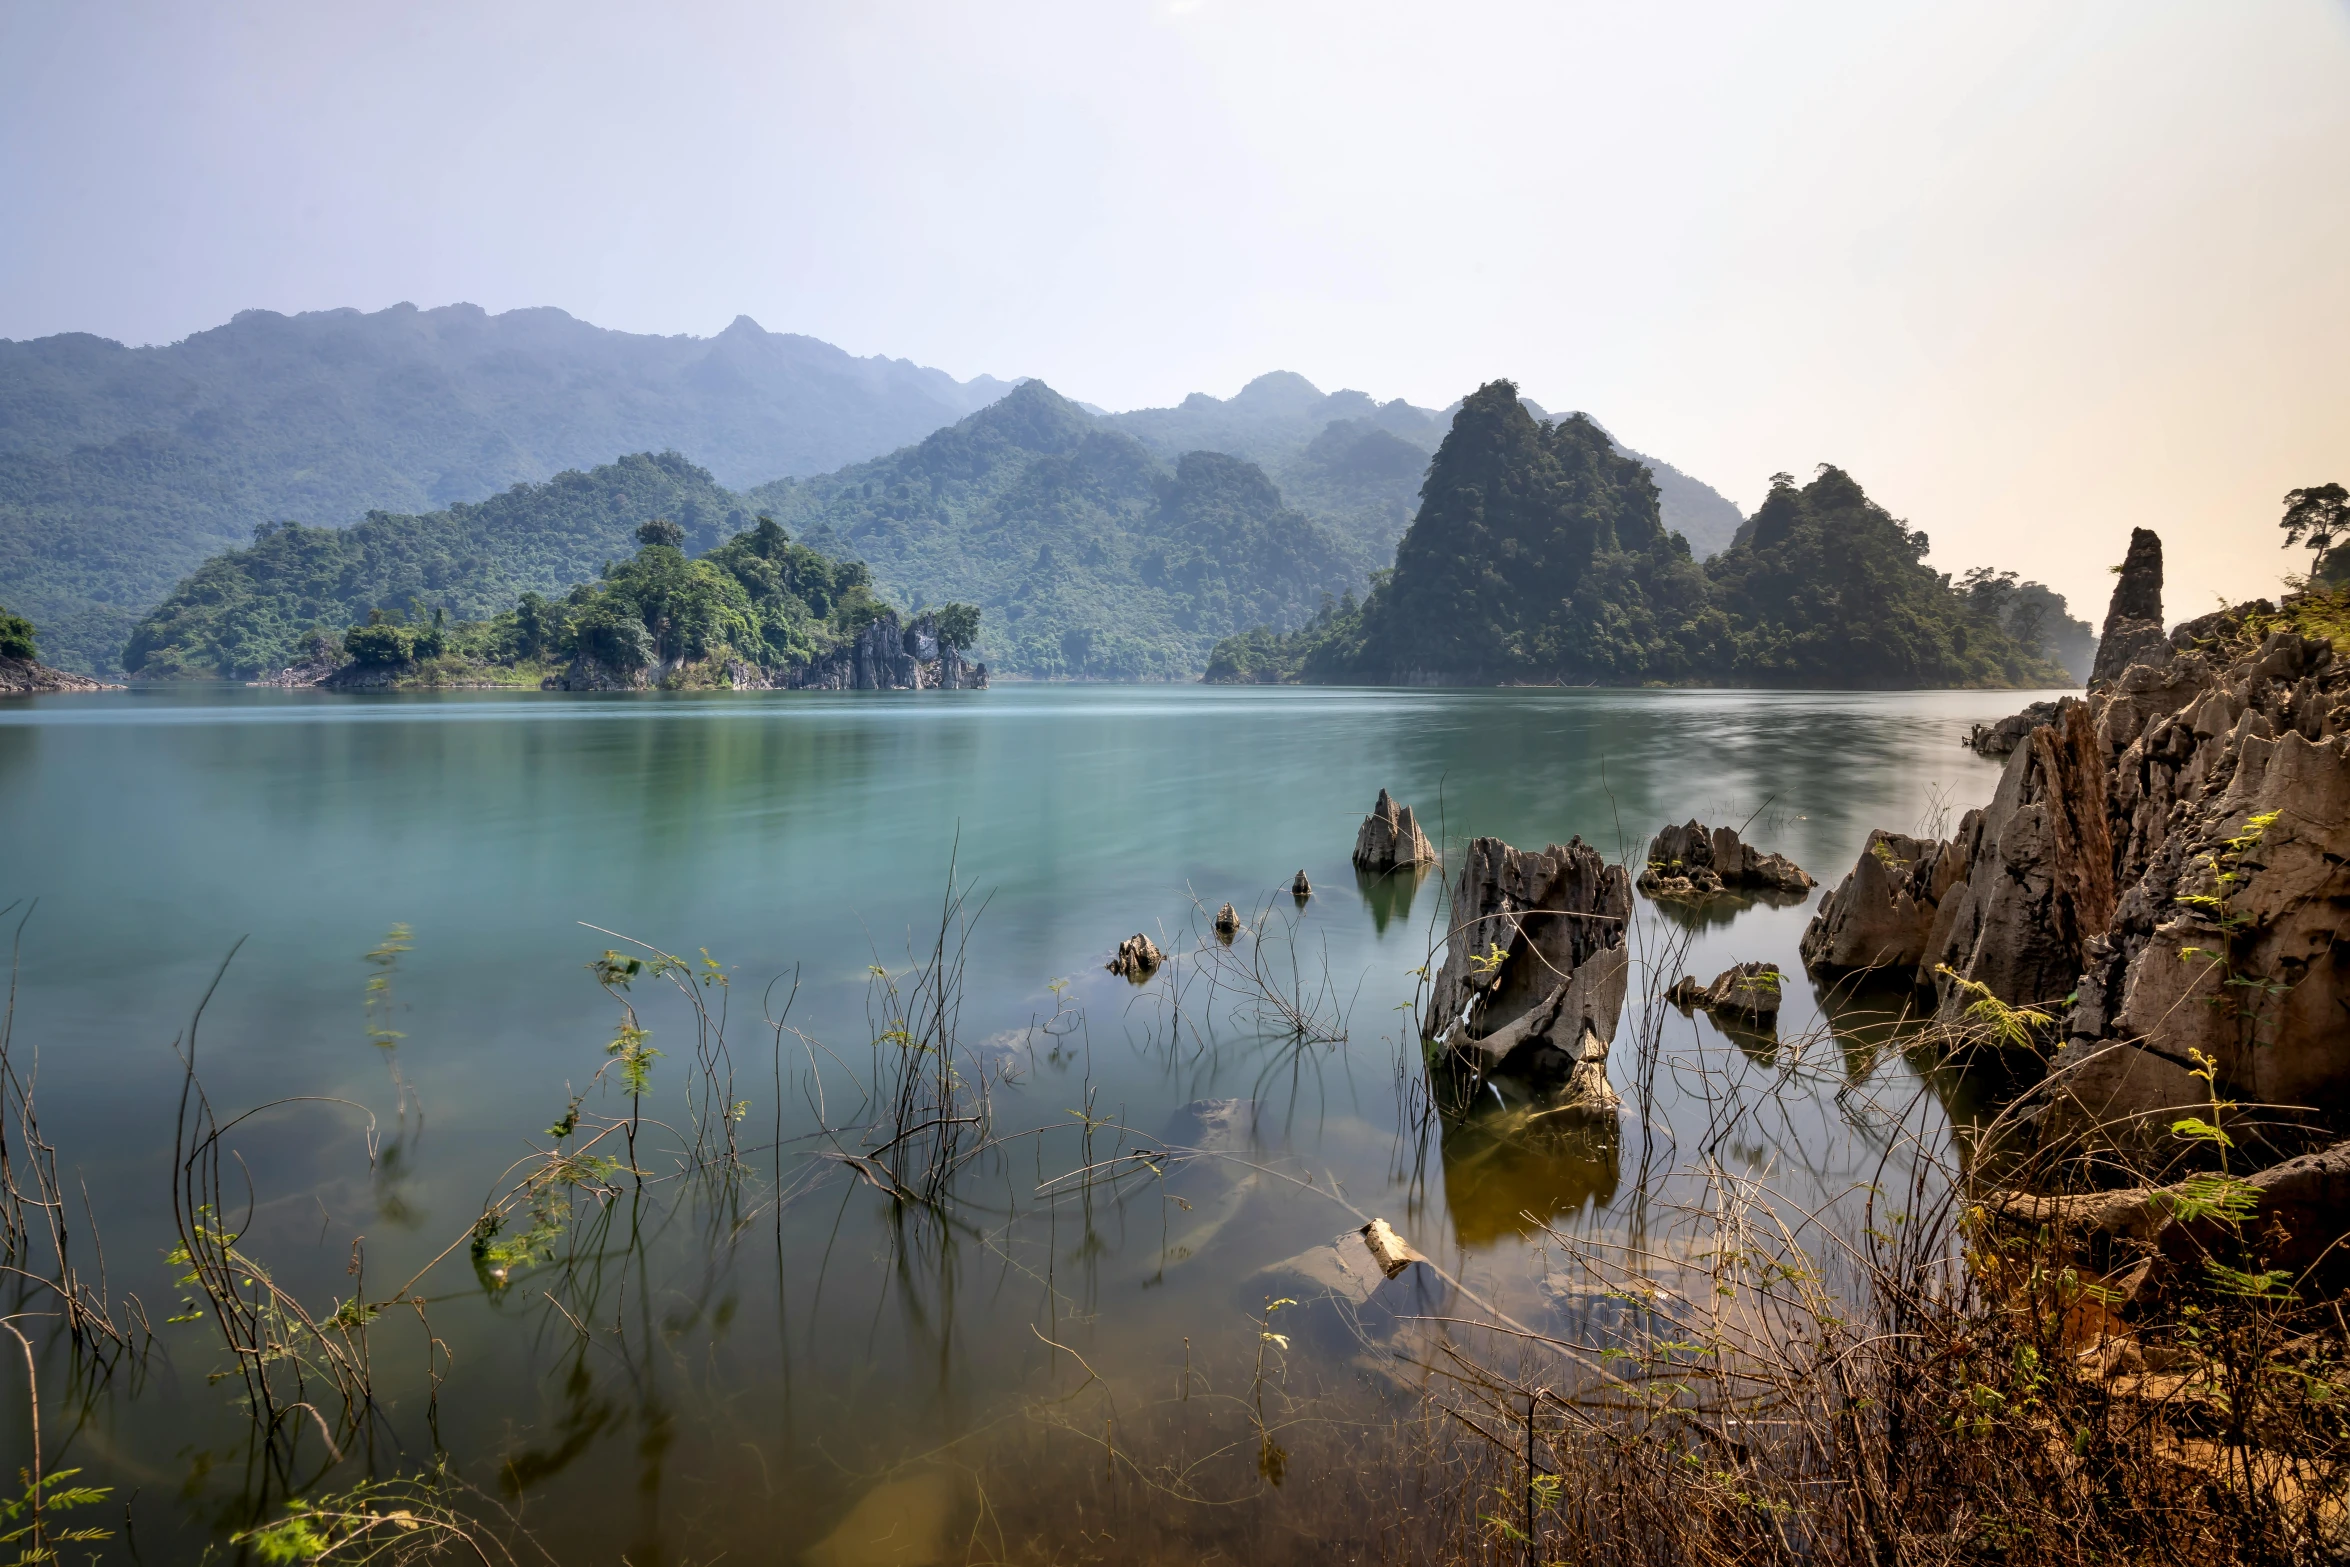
x=16 y=637
x=385 y=641
x=2319 y=516
x=958 y=626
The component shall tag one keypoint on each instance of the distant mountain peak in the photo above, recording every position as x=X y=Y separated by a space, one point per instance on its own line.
x=1284 y=387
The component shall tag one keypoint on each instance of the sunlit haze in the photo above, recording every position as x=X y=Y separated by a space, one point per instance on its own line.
x=2032 y=273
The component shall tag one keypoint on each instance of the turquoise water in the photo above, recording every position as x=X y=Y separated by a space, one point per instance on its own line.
x=731 y=1374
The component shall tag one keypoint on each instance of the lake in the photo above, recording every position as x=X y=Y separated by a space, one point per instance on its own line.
x=771 y=1358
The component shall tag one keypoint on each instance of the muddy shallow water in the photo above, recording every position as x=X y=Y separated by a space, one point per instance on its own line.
x=775 y=1361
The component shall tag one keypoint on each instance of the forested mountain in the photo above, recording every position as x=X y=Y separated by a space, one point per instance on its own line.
x=1538 y=555
x=1089 y=556
x=1354 y=465
x=247 y=612
x=122 y=468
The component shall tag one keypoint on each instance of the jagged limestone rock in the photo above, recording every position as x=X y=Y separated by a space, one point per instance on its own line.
x=888 y=656
x=2166 y=868
x=2133 y=620
x=1882 y=915
x=1390 y=839
x=1696 y=861
x=2000 y=739
x=1536 y=958
x=1138 y=958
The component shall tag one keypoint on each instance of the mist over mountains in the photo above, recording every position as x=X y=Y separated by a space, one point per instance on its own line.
x=1096 y=540
x=121 y=469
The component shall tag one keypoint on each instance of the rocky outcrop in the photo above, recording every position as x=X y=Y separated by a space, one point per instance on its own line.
x=2133 y=620
x=1748 y=992
x=2165 y=870
x=888 y=656
x=1534 y=970
x=1138 y=958
x=2000 y=739
x=1882 y=915
x=1391 y=839
x=29 y=677
x=1696 y=861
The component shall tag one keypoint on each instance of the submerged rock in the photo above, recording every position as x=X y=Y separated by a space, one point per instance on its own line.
x=1696 y=861
x=1535 y=965
x=1138 y=958
x=1391 y=839
x=2163 y=871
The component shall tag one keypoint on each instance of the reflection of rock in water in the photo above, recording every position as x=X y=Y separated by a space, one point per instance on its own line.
x=1874 y=1014
x=899 y=1523
x=1715 y=912
x=1389 y=894
x=1508 y=1153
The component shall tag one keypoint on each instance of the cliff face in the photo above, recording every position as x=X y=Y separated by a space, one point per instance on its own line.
x=886 y=656
x=2164 y=869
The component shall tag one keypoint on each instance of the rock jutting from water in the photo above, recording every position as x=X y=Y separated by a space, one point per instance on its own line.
x=1137 y=959
x=1534 y=969
x=1390 y=839
x=1696 y=861
x=1747 y=991
x=1995 y=740
x=2164 y=871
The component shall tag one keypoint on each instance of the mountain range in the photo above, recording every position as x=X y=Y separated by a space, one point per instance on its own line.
x=124 y=470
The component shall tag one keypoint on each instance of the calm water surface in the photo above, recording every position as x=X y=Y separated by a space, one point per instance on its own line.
x=737 y=1376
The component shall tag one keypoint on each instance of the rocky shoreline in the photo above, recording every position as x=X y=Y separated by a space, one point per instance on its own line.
x=30 y=677
x=2161 y=884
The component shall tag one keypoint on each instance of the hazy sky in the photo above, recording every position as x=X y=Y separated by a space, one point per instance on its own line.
x=2033 y=273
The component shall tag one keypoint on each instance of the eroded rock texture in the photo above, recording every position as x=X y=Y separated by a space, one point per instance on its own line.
x=1536 y=961
x=1697 y=861
x=886 y=656
x=1999 y=739
x=1391 y=839
x=2133 y=620
x=2165 y=869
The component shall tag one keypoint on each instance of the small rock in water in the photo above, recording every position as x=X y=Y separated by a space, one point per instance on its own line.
x=1301 y=889
x=1138 y=958
x=1749 y=990
x=1696 y=861
x=1227 y=923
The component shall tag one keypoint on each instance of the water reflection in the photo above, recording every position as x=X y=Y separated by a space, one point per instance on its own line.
x=1512 y=1163
x=1388 y=894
